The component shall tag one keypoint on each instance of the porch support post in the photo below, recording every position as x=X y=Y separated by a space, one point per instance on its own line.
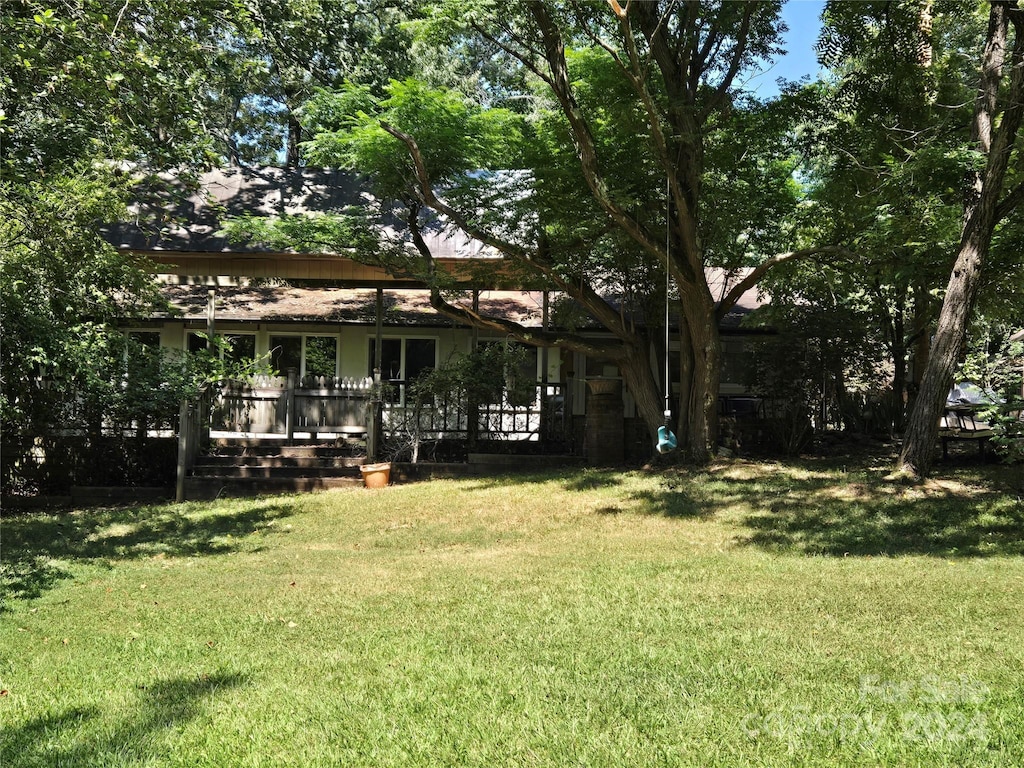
x=183 y=441
x=473 y=407
x=289 y=418
x=378 y=345
x=211 y=309
x=545 y=427
x=373 y=428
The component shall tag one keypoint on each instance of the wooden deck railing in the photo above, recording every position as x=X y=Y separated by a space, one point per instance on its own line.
x=193 y=434
x=279 y=405
x=544 y=418
x=282 y=406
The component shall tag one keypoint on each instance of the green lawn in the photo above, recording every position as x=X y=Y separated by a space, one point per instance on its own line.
x=749 y=615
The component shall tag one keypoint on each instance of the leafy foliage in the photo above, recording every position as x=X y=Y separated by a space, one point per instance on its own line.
x=488 y=375
x=62 y=288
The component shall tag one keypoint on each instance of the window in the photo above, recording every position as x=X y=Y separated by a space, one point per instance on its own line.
x=142 y=351
x=309 y=355
x=736 y=362
x=403 y=360
x=321 y=356
x=420 y=357
x=517 y=371
x=241 y=346
x=149 y=339
x=196 y=343
x=285 y=353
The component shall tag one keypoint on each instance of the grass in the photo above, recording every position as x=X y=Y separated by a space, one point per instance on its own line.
x=750 y=614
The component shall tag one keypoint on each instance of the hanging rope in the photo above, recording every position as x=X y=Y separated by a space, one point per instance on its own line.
x=666 y=438
x=668 y=286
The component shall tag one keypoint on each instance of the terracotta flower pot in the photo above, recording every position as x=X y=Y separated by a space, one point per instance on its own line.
x=376 y=475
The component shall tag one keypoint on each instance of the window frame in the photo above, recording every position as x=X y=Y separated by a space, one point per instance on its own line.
x=402 y=381
x=194 y=332
x=304 y=336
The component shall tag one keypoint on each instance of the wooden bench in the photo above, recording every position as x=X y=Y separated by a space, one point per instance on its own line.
x=959 y=422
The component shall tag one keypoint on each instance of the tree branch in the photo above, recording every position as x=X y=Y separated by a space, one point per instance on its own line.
x=734 y=65
x=758 y=273
x=582 y=292
x=606 y=349
x=1010 y=202
x=586 y=149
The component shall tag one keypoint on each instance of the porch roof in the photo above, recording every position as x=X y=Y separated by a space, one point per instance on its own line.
x=180 y=229
x=355 y=306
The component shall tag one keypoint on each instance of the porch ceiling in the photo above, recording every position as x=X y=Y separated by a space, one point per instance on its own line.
x=340 y=305
x=335 y=270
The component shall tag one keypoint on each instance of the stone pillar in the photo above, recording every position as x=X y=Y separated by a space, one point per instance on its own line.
x=605 y=440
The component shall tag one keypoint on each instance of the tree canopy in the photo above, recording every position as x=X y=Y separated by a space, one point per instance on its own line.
x=598 y=146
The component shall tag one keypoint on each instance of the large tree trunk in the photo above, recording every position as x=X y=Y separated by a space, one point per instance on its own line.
x=685 y=380
x=642 y=382
x=922 y=321
x=947 y=348
x=981 y=213
x=701 y=404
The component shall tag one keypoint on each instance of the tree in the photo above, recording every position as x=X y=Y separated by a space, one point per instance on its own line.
x=999 y=110
x=620 y=108
x=92 y=95
x=884 y=154
x=283 y=51
x=62 y=288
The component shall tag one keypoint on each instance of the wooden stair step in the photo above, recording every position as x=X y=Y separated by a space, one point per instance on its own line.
x=200 y=488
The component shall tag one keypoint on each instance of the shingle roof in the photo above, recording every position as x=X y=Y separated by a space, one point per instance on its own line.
x=174 y=219
x=285 y=303
x=342 y=305
x=171 y=217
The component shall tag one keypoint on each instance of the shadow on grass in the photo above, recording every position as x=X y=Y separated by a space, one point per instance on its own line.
x=672 y=503
x=819 y=508
x=37 y=547
x=76 y=737
x=818 y=513
x=591 y=479
x=570 y=478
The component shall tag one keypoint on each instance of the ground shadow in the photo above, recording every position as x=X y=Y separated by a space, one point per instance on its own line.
x=826 y=507
x=74 y=737
x=946 y=528
x=37 y=546
x=571 y=478
x=591 y=479
x=959 y=515
x=674 y=502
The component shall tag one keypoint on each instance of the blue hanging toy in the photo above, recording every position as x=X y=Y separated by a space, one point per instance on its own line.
x=666 y=438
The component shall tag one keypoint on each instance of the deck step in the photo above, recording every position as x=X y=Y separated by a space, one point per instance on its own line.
x=285 y=451
x=205 y=488
x=282 y=462
x=245 y=467
x=258 y=470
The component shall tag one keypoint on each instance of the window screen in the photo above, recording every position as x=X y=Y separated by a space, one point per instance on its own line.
x=391 y=356
x=321 y=356
x=149 y=339
x=196 y=343
x=243 y=347
x=285 y=353
x=420 y=356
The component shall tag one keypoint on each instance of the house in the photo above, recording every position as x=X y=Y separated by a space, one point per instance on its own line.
x=328 y=318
